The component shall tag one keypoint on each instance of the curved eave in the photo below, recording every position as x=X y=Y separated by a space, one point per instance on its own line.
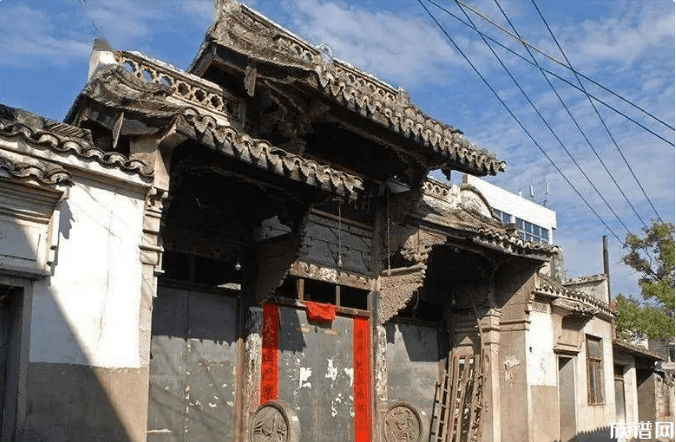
x=262 y=154
x=554 y=291
x=41 y=172
x=512 y=244
x=117 y=89
x=253 y=40
x=56 y=142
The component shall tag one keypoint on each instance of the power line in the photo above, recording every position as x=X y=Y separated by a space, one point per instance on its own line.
x=85 y=8
x=581 y=132
x=597 y=112
x=544 y=120
x=555 y=60
x=558 y=76
x=517 y=120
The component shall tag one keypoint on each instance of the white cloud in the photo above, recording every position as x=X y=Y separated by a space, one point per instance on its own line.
x=43 y=33
x=400 y=48
x=30 y=37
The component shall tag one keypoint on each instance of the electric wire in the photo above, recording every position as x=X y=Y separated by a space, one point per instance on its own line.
x=567 y=66
x=517 y=120
x=544 y=121
x=584 y=135
x=558 y=76
x=597 y=112
x=85 y=9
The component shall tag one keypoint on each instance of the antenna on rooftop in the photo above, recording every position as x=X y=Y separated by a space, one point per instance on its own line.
x=546 y=183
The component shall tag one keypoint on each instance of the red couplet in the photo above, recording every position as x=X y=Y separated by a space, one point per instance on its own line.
x=360 y=386
x=269 y=354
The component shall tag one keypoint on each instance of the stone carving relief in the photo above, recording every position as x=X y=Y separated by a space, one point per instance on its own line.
x=402 y=423
x=275 y=422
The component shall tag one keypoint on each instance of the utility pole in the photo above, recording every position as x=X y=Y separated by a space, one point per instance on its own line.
x=606 y=264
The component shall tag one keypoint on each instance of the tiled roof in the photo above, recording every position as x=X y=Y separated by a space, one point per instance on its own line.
x=485 y=230
x=63 y=139
x=125 y=91
x=553 y=288
x=244 y=31
x=41 y=171
x=637 y=350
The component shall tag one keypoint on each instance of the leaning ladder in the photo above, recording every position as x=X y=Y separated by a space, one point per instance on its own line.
x=459 y=399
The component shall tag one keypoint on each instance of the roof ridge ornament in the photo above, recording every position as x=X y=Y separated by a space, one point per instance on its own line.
x=102 y=54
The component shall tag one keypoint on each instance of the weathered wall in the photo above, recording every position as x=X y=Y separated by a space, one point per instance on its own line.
x=513 y=287
x=87 y=315
x=412 y=366
x=316 y=374
x=73 y=402
x=542 y=374
x=628 y=365
x=514 y=398
x=595 y=285
x=323 y=239
x=192 y=371
x=593 y=419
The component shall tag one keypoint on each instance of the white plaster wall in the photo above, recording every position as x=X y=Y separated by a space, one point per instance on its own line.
x=88 y=311
x=542 y=362
x=513 y=204
x=630 y=387
x=591 y=417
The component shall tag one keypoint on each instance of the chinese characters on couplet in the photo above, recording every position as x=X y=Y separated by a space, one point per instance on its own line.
x=641 y=430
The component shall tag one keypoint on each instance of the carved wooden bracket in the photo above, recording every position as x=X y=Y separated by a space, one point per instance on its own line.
x=418 y=245
x=397 y=288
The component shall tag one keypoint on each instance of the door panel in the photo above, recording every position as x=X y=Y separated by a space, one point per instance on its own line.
x=194 y=354
x=316 y=374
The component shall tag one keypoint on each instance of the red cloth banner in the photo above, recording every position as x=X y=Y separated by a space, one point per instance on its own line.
x=269 y=371
x=320 y=312
x=360 y=386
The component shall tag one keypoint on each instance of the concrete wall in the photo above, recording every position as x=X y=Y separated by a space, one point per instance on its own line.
x=86 y=380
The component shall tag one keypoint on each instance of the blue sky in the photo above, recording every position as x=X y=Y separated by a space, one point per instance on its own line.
x=627 y=46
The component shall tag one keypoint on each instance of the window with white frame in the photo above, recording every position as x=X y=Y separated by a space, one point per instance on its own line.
x=527 y=230
x=532 y=232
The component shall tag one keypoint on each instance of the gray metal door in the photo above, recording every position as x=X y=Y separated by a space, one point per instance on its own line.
x=194 y=355
x=567 y=399
x=316 y=374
